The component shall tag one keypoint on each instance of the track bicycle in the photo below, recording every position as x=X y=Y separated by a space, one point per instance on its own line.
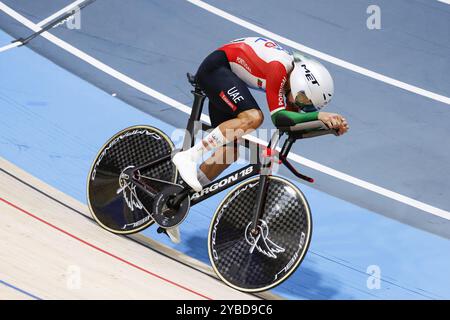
x=259 y=233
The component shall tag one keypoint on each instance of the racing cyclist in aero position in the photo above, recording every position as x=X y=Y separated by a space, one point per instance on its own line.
x=296 y=86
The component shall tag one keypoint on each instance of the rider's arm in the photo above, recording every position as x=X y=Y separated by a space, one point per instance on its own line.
x=275 y=98
x=275 y=81
x=286 y=118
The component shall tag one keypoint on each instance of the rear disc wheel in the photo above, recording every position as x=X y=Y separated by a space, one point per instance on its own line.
x=114 y=201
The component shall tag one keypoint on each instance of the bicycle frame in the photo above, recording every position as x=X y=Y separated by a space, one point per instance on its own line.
x=256 y=167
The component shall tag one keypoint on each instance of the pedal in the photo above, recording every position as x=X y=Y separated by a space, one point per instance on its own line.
x=172 y=233
x=166 y=216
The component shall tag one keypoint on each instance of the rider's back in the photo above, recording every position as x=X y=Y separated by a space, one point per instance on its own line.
x=254 y=59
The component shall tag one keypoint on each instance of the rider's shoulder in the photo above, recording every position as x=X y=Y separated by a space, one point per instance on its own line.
x=264 y=47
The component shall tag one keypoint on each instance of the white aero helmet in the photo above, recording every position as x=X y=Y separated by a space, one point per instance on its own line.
x=311 y=79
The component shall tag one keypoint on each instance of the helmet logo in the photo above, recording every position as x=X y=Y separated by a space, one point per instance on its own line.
x=310 y=76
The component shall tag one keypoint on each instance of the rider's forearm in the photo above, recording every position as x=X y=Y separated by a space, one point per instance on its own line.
x=288 y=118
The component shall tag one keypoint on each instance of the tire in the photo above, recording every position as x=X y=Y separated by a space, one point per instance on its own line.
x=285 y=223
x=119 y=209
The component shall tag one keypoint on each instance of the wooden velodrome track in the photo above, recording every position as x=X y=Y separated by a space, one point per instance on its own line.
x=50 y=248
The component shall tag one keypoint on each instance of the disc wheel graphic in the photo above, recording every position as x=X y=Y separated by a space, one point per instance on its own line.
x=114 y=201
x=256 y=261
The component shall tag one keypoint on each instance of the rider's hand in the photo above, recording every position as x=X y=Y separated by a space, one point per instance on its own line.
x=334 y=121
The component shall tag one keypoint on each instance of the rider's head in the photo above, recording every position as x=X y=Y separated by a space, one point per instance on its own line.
x=311 y=85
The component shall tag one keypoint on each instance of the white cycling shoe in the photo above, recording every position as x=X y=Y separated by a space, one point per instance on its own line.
x=187 y=169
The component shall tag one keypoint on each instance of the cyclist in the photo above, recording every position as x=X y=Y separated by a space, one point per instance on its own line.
x=296 y=86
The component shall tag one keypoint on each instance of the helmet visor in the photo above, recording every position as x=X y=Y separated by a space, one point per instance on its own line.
x=301 y=100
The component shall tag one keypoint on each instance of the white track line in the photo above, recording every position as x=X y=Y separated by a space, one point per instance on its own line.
x=321 y=55
x=445 y=1
x=60 y=12
x=165 y=99
x=360 y=183
x=10 y=46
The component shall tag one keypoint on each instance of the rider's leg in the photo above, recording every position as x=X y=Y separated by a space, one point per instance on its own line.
x=227 y=131
x=233 y=112
x=221 y=159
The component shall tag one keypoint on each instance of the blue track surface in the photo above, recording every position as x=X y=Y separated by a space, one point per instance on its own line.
x=395 y=135
x=52 y=125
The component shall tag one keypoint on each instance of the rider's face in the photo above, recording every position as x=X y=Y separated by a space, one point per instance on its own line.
x=299 y=101
x=290 y=101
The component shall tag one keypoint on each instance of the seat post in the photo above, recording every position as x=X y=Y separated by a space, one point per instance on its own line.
x=194 y=124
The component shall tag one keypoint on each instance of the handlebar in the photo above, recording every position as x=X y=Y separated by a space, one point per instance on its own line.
x=301 y=131
x=309 y=129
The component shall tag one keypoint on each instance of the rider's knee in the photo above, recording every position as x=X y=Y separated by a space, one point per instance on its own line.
x=252 y=118
x=259 y=119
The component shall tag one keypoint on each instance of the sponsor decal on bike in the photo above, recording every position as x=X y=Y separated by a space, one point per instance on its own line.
x=119 y=138
x=128 y=190
x=261 y=241
x=222 y=183
x=220 y=214
x=137 y=223
x=294 y=257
